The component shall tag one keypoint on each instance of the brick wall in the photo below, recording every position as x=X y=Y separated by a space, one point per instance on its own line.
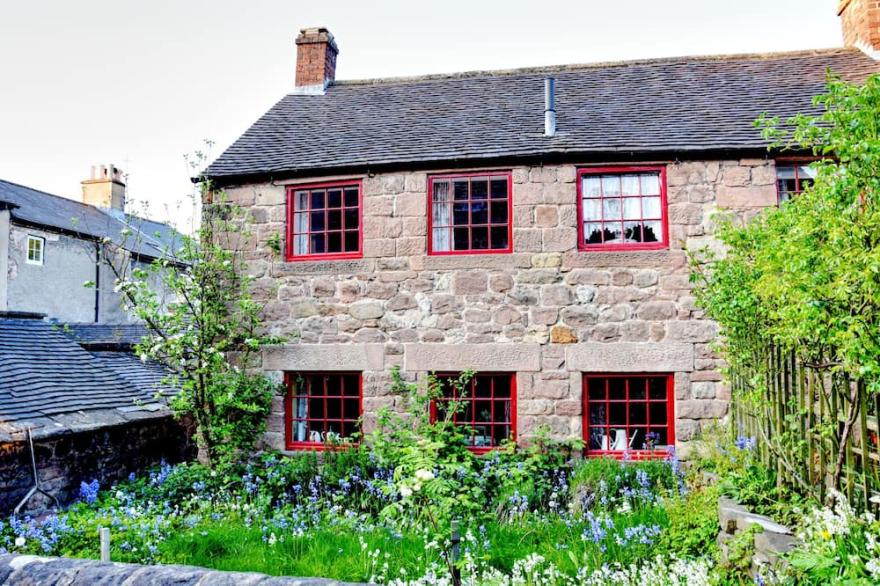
x=547 y=312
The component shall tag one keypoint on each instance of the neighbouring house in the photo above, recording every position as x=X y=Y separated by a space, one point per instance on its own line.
x=529 y=224
x=89 y=402
x=51 y=246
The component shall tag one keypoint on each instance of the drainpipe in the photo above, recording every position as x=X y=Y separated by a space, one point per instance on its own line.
x=97 y=282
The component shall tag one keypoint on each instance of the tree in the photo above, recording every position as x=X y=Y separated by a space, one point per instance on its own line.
x=204 y=326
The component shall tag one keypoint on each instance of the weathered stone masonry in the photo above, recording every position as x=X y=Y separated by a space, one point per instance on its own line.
x=547 y=312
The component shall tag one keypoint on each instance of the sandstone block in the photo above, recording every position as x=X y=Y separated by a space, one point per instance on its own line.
x=560 y=239
x=566 y=174
x=758 y=196
x=580 y=317
x=656 y=310
x=417 y=182
x=480 y=357
x=270 y=195
x=630 y=357
x=560 y=193
x=366 y=309
x=544 y=315
x=691 y=331
x=303 y=308
x=555 y=295
x=470 y=283
x=506 y=315
x=588 y=277
x=527 y=239
x=410 y=204
x=701 y=409
x=500 y=282
x=546 y=216
x=546 y=260
x=402 y=301
x=542 y=175
x=560 y=334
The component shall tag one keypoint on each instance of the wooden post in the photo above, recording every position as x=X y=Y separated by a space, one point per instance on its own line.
x=456 y=553
x=104 y=532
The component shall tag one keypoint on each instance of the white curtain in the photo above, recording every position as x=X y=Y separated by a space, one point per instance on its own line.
x=441 y=211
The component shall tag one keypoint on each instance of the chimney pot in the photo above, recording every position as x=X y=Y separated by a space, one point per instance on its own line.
x=860 y=21
x=316 y=53
x=105 y=188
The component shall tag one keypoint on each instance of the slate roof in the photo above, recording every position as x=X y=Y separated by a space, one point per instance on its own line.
x=91 y=335
x=667 y=105
x=48 y=381
x=39 y=208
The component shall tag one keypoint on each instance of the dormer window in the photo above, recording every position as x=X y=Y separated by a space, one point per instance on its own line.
x=35 y=246
x=622 y=208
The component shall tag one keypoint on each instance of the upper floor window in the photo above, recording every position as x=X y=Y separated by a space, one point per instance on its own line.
x=35 y=246
x=322 y=408
x=628 y=413
x=792 y=180
x=487 y=407
x=324 y=221
x=622 y=208
x=470 y=213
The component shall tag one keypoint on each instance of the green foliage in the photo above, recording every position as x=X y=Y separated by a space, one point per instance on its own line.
x=693 y=524
x=204 y=326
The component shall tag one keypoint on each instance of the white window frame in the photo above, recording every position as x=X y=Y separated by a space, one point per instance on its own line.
x=42 y=248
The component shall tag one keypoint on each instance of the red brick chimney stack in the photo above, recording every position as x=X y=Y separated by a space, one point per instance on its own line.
x=316 y=53
x=860 y=20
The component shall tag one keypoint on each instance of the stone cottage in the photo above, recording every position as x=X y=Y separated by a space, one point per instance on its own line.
x=529 y=224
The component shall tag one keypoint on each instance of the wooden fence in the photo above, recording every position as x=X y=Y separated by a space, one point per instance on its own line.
x=818 y=429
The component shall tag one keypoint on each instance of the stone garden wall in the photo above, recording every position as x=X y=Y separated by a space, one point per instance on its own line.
x=547 y=311
x=68 y=457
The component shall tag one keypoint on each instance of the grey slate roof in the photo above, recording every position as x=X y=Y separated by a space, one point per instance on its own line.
x=667 y=105
x=92 y=335
x=44 y=209
x=49 y=381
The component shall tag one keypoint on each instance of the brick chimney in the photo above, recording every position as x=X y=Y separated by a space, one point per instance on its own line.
x=860 y=20
x=316 y=53
x=105 y=188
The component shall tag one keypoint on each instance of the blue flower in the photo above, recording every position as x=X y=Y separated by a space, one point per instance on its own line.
x=89 y=491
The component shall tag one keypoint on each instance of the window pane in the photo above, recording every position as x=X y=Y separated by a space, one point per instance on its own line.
x=461 y=239
x=499 y=238
x=499 y=212
x=613 y=232
x=479 y=189
x=632 y=231
x=301 y=244
x=480 y=238
x=301 y=200
x=631 y=185
x=651 y=231
x=610 y=185
x=651 y=207
x=616 y=388
x=650 y=184
x=596 y=389
x=498 y=188
x=611 y=209
x=334 y=219
x=479 y=212
x=334 y=242
x=334 y=198
x=317 y=200
x=632 y=208
x=440 y=239
x=318 y=244
x=806 y=172
x=351 y=197
x=658 y=413
x=593 y=233
x=598 y=413
x=638 y=413
x=785 y=172
x=617 y=413
x=460 y=189
x=637 y=389
x=592 y=209
x=657 y=388
x=352 y=218
x=317 y=221
x=592 y=186
x=440 y=192
x=352 y=242
x=460 y=213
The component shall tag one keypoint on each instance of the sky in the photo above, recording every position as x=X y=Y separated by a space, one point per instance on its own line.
x=141 y=84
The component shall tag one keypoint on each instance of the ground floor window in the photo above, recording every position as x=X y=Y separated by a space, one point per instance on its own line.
x=488 y=407
x=628 y=413
x=322 y=407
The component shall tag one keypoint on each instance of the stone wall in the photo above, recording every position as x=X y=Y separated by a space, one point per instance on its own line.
x=30 y=569
x=107 y=454
x=547 y=312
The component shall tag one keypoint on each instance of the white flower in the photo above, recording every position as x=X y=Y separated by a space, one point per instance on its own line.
x=272 y=539
x=19 y=542
x=405 y=491
x=424 y=475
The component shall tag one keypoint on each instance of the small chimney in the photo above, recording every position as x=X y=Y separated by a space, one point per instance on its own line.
x=105 y=188
x=316 y=53
x=549 y=107
x=860 y=20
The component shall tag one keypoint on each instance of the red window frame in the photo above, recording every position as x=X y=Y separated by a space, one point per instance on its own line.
x=473 y=399
x=796 y=164
x=290 y=255
x=508 y=175
x=621 y=171
x=289 y=419
x=638 y=453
